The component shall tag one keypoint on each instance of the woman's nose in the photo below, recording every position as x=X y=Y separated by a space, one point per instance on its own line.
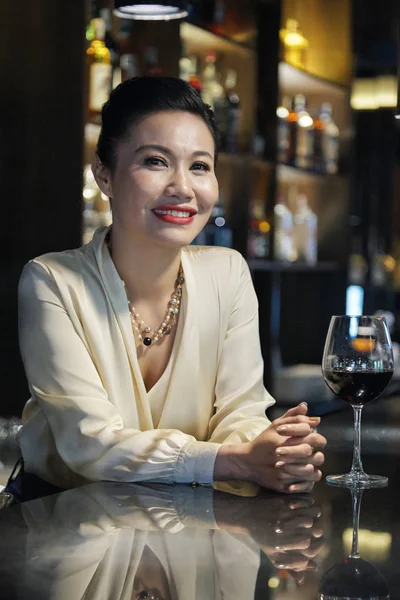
x=180 y=186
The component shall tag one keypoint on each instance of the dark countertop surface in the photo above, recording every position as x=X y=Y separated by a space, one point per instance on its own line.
x=108 y=541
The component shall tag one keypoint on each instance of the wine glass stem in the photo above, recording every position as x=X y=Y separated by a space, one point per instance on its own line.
x=357 y=468
x=356 y=495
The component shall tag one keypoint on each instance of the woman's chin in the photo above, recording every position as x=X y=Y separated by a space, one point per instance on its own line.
x=174 y=239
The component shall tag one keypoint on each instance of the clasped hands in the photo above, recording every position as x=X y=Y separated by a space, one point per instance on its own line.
x=286 y=456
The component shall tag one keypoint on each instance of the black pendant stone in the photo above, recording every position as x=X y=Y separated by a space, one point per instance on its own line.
x=147 y=341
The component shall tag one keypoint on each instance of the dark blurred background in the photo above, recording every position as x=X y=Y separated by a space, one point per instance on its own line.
x=306 y=97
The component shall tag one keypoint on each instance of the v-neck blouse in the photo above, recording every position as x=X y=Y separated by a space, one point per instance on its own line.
x=90 y=417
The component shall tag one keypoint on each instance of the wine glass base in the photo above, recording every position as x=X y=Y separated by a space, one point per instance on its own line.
x=361 y=480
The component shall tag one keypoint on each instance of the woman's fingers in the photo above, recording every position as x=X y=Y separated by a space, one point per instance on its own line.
x=300 y=487
x=300 y=471
x=299 y=451
x=316 y=440
x=295 y=429
x=300 y=409
x=307 y=475
x=317 y=460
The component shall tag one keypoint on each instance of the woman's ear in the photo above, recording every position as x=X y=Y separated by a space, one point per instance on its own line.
x=102 y=176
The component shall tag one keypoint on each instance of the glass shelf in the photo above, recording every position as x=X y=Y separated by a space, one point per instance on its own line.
x=201 y=40
x=293 y=81
x=287 y=174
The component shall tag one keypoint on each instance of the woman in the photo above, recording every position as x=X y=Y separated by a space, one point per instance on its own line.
x=142 y=352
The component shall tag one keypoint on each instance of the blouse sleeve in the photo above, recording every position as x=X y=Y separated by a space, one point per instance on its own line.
x=240 y=397
x=88 y=431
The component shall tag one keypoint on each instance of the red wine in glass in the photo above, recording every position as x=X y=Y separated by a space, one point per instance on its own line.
x=357 y=366
x=358 y=387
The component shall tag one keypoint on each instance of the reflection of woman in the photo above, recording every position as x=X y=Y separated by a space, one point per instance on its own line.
x=114 y=541
x=141 y=352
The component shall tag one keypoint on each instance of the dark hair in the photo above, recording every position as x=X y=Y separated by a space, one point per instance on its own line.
x=141 y=96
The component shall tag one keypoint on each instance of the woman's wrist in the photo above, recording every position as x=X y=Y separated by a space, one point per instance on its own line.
x=231 y=462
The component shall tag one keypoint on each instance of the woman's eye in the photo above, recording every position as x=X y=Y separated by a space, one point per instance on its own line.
x=155 y=161
x=199 y=166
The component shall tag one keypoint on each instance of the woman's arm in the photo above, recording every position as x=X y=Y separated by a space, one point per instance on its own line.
x=89 y=433
x=240 y=396
x=251 y=444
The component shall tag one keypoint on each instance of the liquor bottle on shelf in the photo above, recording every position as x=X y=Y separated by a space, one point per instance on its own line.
x=151 y=66
x=283 y=231
x=330 y=139
x=90 y=193
x=305 y=225
x=212 y=90
x=298 y=104
x=217 y=232
x=294 y=44
x=99 y=69
x=233 y=112
x=185 y=63
x=97 y=211
x=283 y=129
x=318 y=133
x=304 y=136
x=113 y=47
x=129 y=66
x=258 y=239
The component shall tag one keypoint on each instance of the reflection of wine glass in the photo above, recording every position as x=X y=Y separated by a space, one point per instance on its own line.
x=357 y=366
x=355 y=577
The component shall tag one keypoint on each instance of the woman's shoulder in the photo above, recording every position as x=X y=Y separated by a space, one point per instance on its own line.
x=221 y=269
x=67 y=262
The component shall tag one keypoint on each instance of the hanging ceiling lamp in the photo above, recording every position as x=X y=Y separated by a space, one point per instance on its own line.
x=145 y=10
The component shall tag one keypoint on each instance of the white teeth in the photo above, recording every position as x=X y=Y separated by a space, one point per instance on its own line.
x=174 y=213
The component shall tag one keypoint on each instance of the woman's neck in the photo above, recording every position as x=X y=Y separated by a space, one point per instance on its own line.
x=149 y=272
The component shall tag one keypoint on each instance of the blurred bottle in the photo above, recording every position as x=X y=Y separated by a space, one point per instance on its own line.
x=304 y=136
x=305 y=224
x=91 y=193
x=129 y=66
x=298 y=105
x=217 y=24
x=185 y=63
x=330 y=139
x=151 y=66
x=113 y=47
x=318 y=132
x=283 y=231
x=283 y=134
x=358 y=266
x=212 y=90
x=217 y=232
x=294 y=44
x=99 y=69
x=233 y=112
x=258 y=240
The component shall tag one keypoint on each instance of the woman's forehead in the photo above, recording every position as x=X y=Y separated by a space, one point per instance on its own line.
x=171 y=128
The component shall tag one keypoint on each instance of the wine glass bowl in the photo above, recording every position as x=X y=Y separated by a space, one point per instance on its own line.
x=354 y=578
x=357 y=366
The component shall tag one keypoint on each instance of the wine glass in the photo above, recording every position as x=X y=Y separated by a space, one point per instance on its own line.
x=354 y=577
x=357 y=366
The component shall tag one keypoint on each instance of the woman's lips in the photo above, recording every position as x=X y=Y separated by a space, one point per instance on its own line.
x=176 y=216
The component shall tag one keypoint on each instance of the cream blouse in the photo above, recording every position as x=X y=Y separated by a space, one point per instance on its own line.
x=90 y=417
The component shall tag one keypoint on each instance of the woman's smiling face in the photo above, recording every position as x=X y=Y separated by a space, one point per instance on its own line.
x=164 y=186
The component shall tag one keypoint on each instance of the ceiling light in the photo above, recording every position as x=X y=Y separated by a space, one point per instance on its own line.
x=144 y=10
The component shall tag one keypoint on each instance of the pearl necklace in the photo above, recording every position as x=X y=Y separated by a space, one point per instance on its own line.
x=145 y=334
